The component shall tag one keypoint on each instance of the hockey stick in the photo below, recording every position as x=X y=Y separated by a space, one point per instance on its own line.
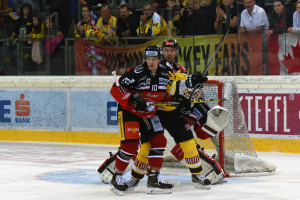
x=216 y=51
x=222 y=40
x=175 y=103
x=114 y=73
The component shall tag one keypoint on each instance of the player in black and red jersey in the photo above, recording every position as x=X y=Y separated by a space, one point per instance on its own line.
x=144 y=83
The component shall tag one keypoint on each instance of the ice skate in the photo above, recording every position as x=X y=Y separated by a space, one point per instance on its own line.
x=118 y=185
x=132 y=184
x=156 y=185
x=201 y=182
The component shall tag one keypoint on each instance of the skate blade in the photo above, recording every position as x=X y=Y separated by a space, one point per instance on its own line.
x=151 y=190
x=203 y=187
x=118 y=192
x=174 y=183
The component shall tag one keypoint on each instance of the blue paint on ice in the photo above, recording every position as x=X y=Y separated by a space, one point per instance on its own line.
x=87 y=176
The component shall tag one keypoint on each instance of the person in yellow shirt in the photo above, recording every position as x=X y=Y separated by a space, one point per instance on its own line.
x=38 y=29
x=107 y=27
x=152 y=24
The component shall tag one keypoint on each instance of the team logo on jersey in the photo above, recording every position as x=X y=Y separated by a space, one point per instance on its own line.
x=138 y=69
x=163 y=81
x=142 y=79
x=127 y=81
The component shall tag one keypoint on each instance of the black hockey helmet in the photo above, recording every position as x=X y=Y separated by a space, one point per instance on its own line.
x=170 y=43
x=153 y=50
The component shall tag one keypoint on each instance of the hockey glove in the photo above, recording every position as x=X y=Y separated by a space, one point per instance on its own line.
x=184 y=107
x=138 y=102
x=193 y=80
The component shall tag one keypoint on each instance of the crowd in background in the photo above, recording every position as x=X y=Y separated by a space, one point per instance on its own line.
x=102 y=21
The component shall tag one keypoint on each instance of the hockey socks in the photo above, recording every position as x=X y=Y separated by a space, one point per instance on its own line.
x=128 y=149
x=141 y=162
x=191 y=156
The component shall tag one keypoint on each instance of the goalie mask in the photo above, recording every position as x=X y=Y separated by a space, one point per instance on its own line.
x=197 y=94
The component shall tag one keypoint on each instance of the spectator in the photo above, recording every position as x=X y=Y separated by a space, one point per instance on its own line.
x=280 y=19
x=86 y=28
x=191 y=21
x=37 y=29
x=53 y=37
x=95 y=5
x=17 y=4
x=64 y=14
x=106 y=27
x=296 y=20
x=152 y=24
x=51 y=30
x=254 y=21
x=220 y=22
x=159 y=5
x=23 y=25
x=127 y=24
x=4 y=9
x=208 y=12
x=173 y=15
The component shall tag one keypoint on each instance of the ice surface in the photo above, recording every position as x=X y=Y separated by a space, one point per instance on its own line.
x=54 y=171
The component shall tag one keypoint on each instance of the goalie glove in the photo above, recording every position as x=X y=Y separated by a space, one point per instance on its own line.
x=138 y=102
x=217 y=120
x=193 y=80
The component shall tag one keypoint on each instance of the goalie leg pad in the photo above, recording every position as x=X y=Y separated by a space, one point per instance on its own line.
x=191 y=156
x=107 y=169
x=211 y=168
x=217 y=120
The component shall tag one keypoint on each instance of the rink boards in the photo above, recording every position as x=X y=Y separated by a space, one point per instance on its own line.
x=81 y=110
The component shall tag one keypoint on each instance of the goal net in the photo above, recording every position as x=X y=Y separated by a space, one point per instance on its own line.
x=232 y=148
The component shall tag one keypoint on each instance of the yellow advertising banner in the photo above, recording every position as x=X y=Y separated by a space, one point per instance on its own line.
x=237 y=56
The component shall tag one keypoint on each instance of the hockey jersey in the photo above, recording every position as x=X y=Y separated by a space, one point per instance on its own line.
x=140 y=80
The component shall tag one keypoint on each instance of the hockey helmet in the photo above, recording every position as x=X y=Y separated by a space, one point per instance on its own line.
x=170 y=43
x=153 y=50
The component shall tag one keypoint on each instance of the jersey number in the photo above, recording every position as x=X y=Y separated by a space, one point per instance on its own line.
x=154 y=88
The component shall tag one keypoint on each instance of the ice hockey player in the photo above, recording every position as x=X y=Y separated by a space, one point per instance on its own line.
x=143 y=83
x=169 y=54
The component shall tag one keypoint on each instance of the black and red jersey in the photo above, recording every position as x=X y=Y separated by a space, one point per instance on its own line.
x=140 y=80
